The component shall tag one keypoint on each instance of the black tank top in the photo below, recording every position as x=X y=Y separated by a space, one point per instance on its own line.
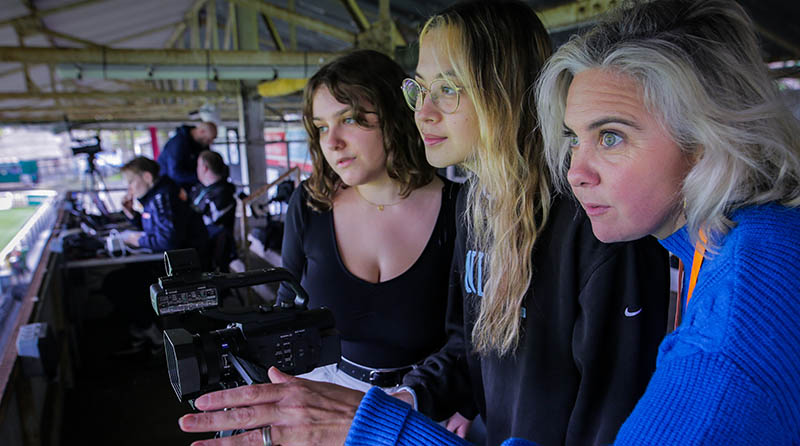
x=382 y=325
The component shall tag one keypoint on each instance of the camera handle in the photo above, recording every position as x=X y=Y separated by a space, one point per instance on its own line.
x=181 y=261
x=260 y=276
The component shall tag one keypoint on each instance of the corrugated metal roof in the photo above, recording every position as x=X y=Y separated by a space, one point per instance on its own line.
x=149 y=24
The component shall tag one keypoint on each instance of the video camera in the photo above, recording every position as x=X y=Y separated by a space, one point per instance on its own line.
x=89 y=146
x=290 y=337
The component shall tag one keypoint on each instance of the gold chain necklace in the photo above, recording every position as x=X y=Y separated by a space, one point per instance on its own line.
x=379 y=206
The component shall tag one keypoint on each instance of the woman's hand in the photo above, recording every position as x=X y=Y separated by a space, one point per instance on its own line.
x=300 y=412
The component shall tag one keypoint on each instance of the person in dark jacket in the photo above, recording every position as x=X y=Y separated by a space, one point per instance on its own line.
x=214 y=200
x=178 y=160
x=166 y=221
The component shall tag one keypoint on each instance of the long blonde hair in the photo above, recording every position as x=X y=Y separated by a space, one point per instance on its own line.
x=496 y=50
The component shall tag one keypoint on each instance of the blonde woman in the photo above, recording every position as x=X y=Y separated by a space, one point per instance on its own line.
x=552 y=334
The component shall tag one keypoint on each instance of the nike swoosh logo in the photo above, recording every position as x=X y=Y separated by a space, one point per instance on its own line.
x=629 y=313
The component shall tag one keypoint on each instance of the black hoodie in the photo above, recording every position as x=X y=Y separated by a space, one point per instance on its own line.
x=593 y=319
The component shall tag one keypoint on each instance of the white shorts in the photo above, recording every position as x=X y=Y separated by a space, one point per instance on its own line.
x=331 y=374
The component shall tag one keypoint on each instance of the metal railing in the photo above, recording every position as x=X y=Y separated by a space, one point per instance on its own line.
x=256 y=195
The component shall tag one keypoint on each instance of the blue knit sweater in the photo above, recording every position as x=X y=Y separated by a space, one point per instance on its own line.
x=730 y=374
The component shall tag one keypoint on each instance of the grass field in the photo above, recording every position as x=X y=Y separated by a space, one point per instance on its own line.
x=11 y=221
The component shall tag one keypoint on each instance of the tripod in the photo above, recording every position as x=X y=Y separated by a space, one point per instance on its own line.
x=93 y=184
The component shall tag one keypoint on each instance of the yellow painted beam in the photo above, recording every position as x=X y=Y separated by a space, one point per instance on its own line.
x=281 y=87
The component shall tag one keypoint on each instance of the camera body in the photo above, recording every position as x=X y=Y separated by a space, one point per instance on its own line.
x=90 y=146
x=295 y=341
x=115 y=245
x=292 y=338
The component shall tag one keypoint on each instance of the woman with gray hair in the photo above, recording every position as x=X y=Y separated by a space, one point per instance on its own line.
x=663 y=121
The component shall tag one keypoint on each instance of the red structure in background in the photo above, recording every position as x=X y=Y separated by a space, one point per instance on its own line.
x=285 y=152
x=277 y=149
x=154 y=141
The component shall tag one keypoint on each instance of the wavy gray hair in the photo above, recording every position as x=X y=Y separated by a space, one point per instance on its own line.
x=701 y=72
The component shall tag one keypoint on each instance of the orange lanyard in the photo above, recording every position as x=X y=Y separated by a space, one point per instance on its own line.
x=697 y=262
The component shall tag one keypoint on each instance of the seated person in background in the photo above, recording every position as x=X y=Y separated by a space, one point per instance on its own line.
x=214 y=199
x=178 y=160
x=167 y=222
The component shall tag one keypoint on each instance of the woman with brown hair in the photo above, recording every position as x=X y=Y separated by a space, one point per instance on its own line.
x=370 y=233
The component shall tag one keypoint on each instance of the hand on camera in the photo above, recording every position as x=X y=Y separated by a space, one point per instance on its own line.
x=299 y=412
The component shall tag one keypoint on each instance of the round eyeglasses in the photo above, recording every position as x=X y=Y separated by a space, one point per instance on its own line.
x=443 y=93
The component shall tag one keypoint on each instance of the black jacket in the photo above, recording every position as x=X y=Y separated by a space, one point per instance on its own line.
x=217 y=205
x=178 y=159
x=167 y=221
x=593 y=320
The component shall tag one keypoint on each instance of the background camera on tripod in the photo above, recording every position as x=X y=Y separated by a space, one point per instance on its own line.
x=92 y=179
x=89 y=146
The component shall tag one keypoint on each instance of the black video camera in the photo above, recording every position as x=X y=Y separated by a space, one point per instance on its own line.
x=90 y=146
x=290 y=337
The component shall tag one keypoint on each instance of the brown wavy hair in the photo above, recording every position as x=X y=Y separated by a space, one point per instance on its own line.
x=369 y=82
